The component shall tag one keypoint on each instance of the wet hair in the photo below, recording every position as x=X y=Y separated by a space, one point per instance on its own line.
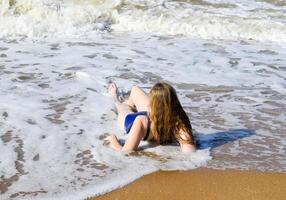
x=169 y=121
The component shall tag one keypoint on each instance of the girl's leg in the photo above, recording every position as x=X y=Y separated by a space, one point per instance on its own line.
x=138 y=99
x=122 y=109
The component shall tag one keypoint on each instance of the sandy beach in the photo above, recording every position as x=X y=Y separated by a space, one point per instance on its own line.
x=204 y=184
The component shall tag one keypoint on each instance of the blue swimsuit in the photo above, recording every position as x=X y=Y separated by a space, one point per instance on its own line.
x=129 y=120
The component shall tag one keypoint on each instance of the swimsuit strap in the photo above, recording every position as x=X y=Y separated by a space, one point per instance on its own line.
x=148 y=129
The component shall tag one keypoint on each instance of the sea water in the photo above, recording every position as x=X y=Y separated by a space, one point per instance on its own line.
x=226 y=59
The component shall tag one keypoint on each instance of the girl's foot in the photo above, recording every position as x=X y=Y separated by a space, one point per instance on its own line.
x=113 y=91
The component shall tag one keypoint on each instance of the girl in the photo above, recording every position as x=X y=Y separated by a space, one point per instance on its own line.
x=157 y=117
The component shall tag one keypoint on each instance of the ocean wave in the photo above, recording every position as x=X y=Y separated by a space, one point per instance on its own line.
x=76 y=18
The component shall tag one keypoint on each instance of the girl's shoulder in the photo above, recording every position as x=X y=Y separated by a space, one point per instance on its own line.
x=185 y=136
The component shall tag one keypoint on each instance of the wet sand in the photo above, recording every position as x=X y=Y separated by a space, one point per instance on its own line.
x=204 y=184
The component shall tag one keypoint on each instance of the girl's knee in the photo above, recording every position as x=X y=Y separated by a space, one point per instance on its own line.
x=135 y=89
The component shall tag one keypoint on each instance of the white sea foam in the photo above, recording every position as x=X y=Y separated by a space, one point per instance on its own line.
x=57 y=111
x=226 y=20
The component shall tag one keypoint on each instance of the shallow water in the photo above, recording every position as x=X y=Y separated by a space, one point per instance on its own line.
x=55 y=111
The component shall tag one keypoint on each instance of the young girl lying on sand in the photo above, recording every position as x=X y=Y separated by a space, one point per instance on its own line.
x=158 y=117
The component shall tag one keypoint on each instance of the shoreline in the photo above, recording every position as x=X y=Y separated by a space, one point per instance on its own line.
x=203 y=183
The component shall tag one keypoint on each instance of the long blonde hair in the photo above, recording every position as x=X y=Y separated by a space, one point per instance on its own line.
x=167 y=116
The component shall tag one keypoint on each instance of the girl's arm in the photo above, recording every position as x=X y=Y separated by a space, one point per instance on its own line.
x=135 y=135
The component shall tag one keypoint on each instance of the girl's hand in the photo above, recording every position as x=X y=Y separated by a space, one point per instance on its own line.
x=113 y=142
x=111 y=138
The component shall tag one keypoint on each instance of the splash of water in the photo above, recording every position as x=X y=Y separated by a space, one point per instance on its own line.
x=204 y=19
